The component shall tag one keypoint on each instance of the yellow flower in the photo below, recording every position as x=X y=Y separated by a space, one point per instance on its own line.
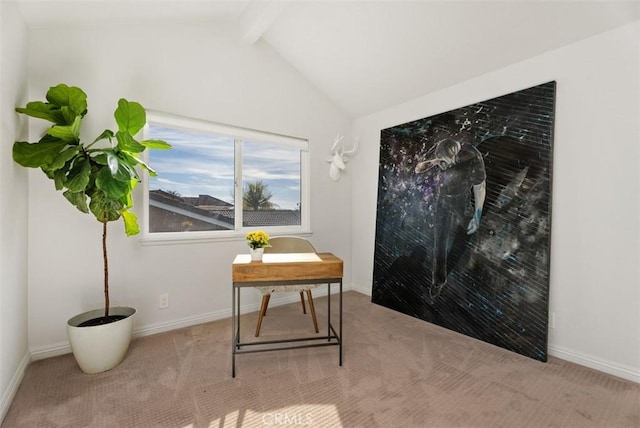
x=257 y=239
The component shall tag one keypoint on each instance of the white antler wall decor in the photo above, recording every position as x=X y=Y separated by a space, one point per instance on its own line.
x=339 y=158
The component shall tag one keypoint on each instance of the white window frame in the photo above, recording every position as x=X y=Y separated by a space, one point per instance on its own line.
x=239 y=135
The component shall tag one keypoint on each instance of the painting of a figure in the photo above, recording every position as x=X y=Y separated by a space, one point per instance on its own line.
x=463 y=221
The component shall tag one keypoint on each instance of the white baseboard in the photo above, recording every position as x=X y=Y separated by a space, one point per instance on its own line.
x=608 y=367
x=16 y=380
x=181 y=323
x=366 y=290
x=277 y=299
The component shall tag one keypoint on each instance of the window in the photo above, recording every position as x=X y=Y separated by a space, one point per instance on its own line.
x=222 y=181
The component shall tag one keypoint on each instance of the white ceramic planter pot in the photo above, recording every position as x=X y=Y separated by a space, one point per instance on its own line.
x=102 y=347
x=256 y=254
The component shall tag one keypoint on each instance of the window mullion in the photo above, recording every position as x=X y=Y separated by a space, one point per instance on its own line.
x=238 y=183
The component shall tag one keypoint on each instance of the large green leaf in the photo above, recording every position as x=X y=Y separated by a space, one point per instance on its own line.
x=126 y=172
x=71 y=96
x=37 y=154
x=131 y=162
x=106 y=134
x=156 y=144
x=59 y=177
x=128 y=201
x=135 y=161
x=112 y=162
x=100 y=158
x=78 y=199
x=64 y=133
x=130 y=222
x=104 y=207
x=78 y=176
x=68 y=116
x=57 y=171
x=128 y=144
x=41 y=110
x=68 y=133
x=63 y=157
x=111 y=187
x=130 y=116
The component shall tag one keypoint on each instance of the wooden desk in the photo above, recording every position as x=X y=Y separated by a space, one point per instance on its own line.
x=281 y=270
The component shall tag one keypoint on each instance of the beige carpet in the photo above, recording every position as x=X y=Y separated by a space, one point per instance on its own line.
x=397 y=372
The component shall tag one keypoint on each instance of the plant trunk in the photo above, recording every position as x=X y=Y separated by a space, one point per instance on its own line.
x=106 y=268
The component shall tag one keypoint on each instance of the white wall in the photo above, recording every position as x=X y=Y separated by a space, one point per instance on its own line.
x=594 y=285
x=198 y=71
x=14 y=354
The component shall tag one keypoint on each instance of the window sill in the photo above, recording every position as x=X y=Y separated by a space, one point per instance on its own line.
x=204 y=238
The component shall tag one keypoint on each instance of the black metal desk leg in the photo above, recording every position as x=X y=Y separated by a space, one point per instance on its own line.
x=233 y=332
x=328 y=312
x=341 y=338
x=239 y=316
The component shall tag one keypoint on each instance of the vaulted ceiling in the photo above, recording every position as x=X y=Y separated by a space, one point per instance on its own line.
x=370 y=55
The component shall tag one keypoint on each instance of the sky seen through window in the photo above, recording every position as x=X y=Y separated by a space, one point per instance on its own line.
x=202 y=163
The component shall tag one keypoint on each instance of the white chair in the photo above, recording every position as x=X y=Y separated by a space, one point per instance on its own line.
x=288 y=244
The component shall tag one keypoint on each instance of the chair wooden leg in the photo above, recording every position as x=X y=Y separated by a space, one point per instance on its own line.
x=263 y=312
x=266 y=305
x=312 y=308
x=304 y=308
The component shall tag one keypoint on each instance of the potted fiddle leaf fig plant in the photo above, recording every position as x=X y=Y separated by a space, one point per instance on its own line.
x=97 y=178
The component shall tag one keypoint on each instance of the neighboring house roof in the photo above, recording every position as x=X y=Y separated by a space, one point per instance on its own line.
x=207 y=202
x=270 y=217
x=178 y=205
x=218 y=212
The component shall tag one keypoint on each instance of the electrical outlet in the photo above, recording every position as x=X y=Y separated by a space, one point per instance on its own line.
x=552 y=320
x=164 y=301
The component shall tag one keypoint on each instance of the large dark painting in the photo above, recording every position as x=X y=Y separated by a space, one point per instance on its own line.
x=464 y=219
